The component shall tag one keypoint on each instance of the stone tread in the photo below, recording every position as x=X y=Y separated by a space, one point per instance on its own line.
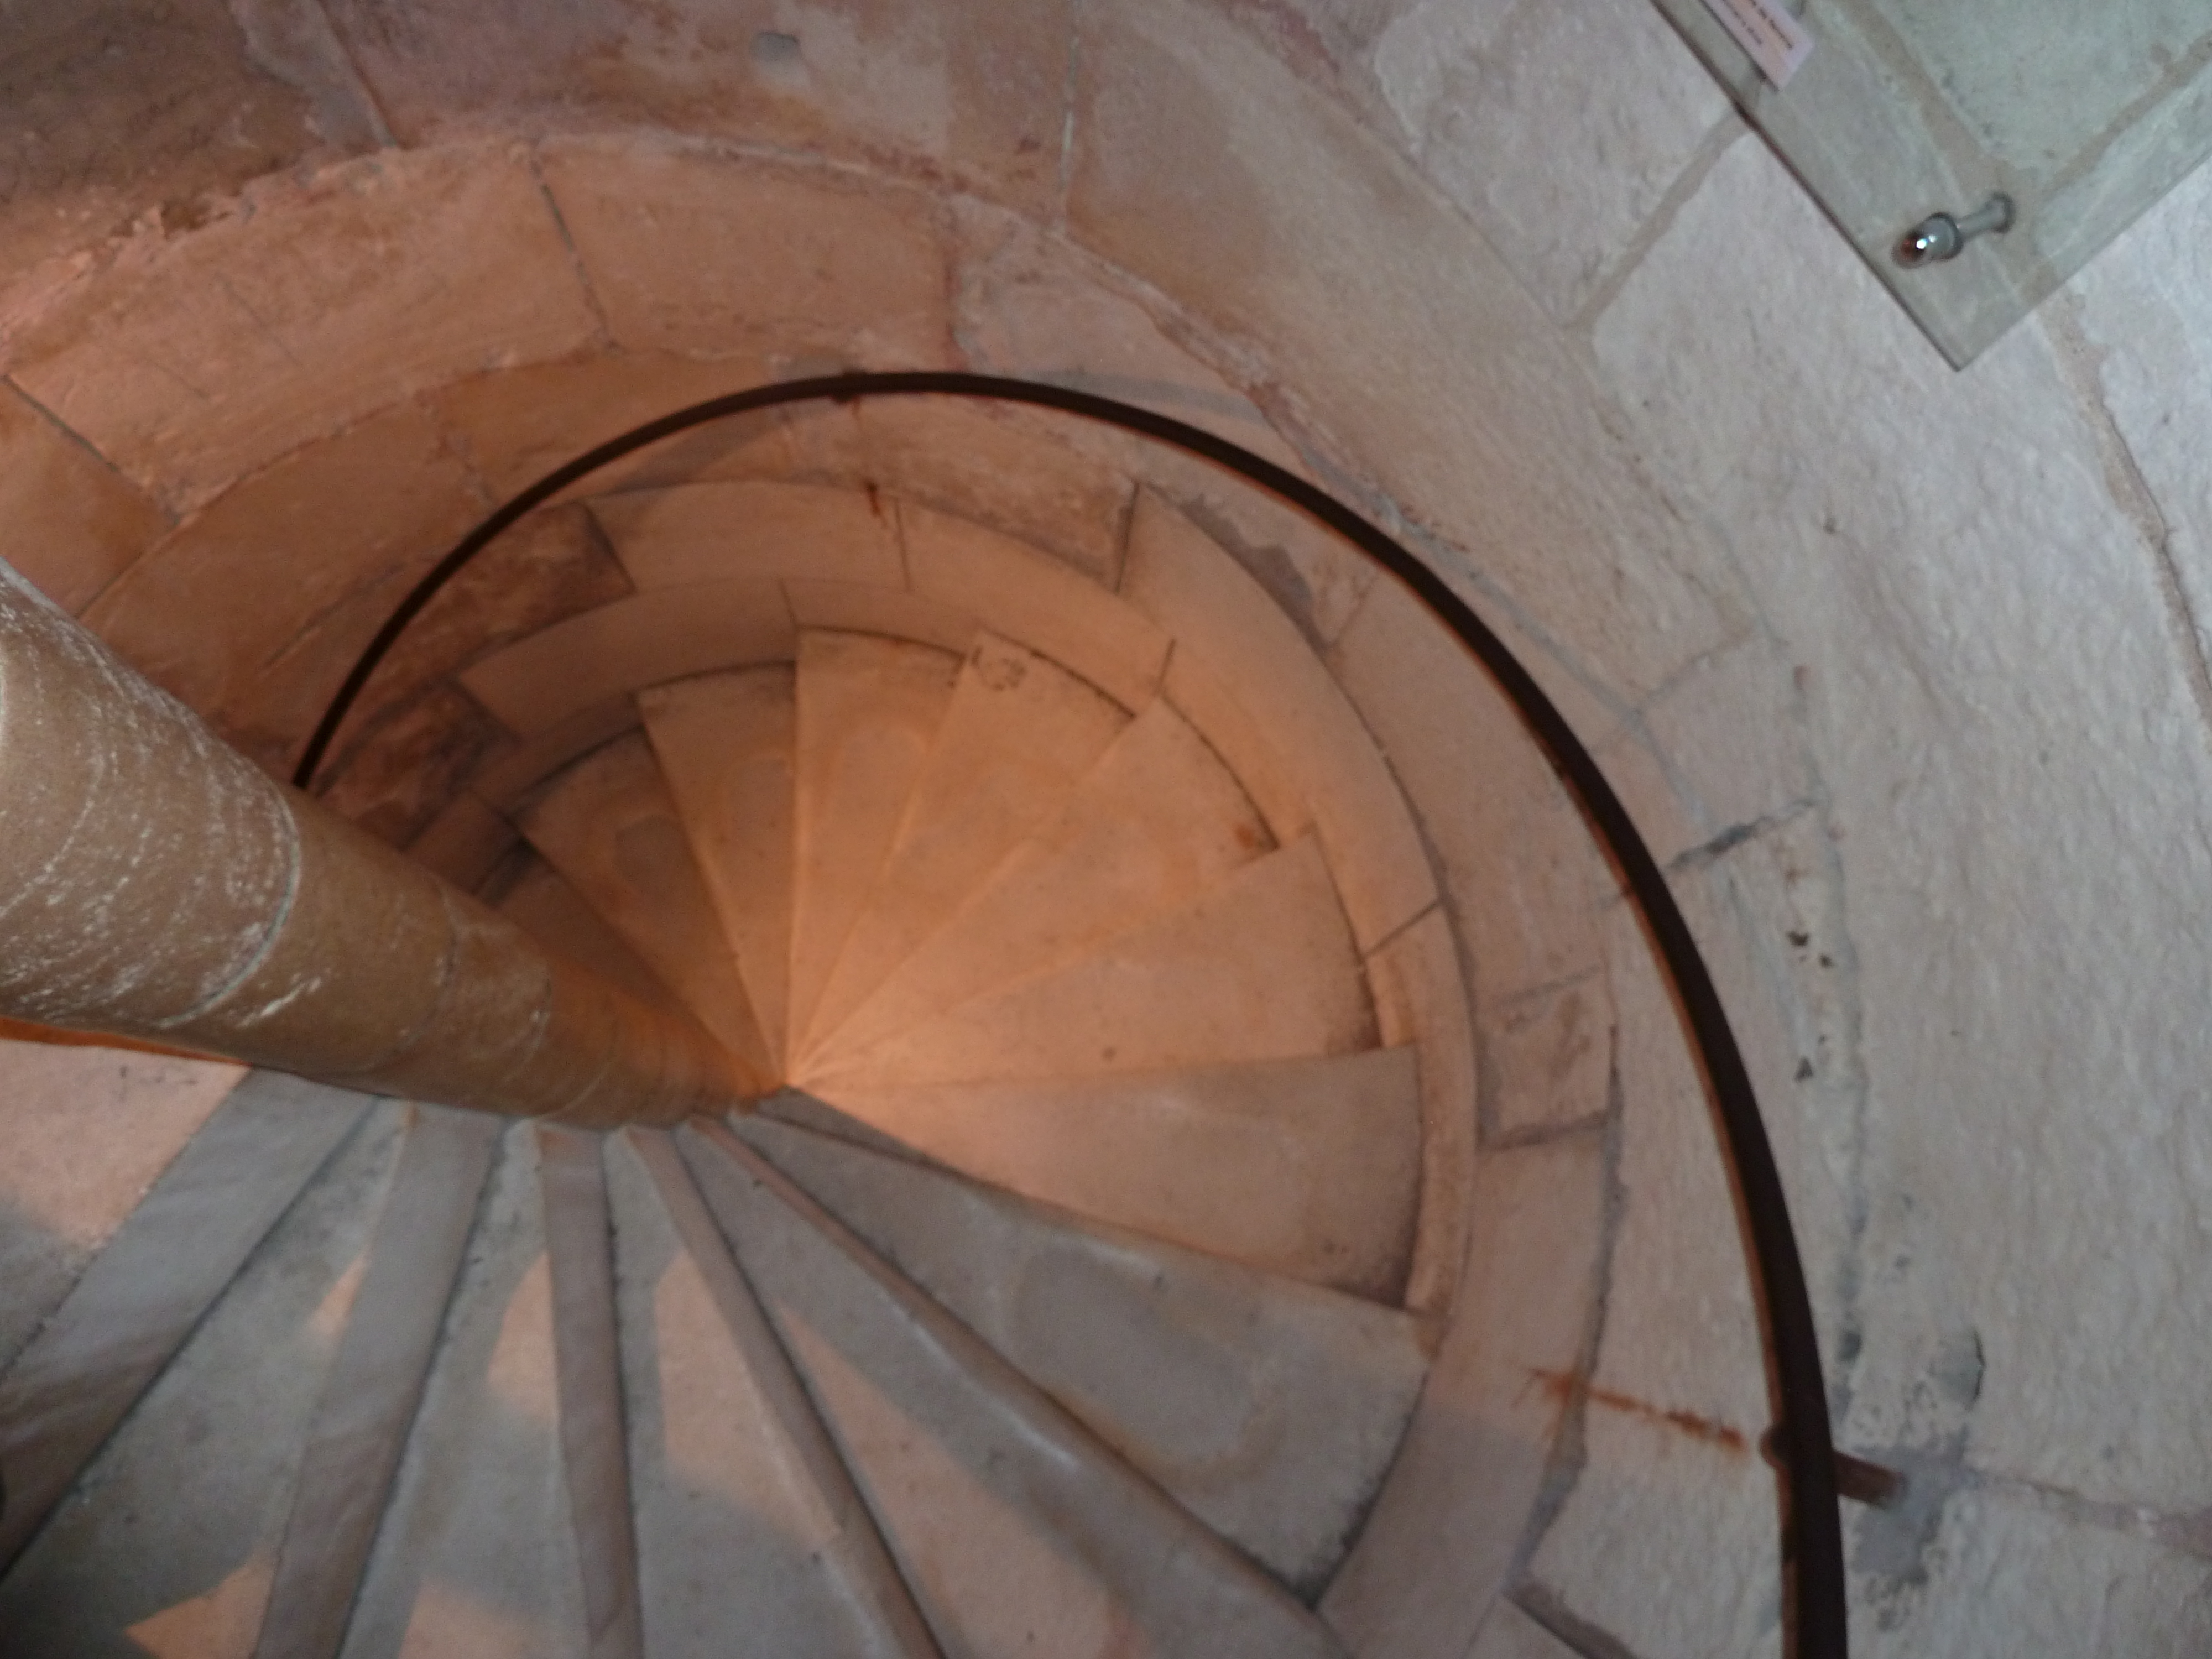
x=1017 y=736
x=1268 y=1408
x=476 y=1553
x=609 y=825
x=140 y=1299
x=695 y=534
x=868 y=712
x=124 y=1566
x=1155 y=824
x=726 y=745
x=746 y=1518
x=1308 y=1169
x=1157 y=997
x=376 y=1382
x=1007 y=1517
x=1190 y=585
x=594 y=1443
x=545 y=904
x=1033 y=599
x=559 y=672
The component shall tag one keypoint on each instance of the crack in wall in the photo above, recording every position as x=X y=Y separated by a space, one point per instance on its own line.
x=1710 y=851
x=2081 y=366
x=601 y=328
x=1826 y=1032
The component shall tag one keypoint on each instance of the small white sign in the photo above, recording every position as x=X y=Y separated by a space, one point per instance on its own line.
x=1777 y=41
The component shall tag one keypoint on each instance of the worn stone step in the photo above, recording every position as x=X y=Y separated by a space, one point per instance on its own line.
x=88 y=1131
x=868 y=712
x=1027 y=595
x=609 y=825
x=697 y=534
x=746 y=1519
x=125 y=1566
x=1019 y=1531
x=376 y=1382
x=1309 y=1168
x=546 y=905
x=594 y=1438
x=727 y=745
x=1268 y=1409
x=140 y=1299
x=561 y=672
x=1261 y=968
x=1230 y=630
x=1018 y=734
x=478 y=1553
x=1155 y=825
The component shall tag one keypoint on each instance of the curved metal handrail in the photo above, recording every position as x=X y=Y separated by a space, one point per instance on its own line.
x=1812 y=1553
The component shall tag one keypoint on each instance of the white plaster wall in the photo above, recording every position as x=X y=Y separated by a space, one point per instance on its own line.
x=1952 y=783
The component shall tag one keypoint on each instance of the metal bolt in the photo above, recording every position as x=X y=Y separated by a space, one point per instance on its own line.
x=1940 y=236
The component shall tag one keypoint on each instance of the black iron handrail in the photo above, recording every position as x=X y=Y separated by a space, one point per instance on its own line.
x=1812 y=1528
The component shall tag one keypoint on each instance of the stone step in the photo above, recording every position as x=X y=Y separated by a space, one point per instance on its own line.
x=1241 y=645
x=561 y=673
x=609 y=824
x=88 y=1130
x=727 y=745
x=1020 y=731
x=587 y=1370
x=810 y=1112
x=142 y=1296
x=1155 y=825
x=1261 y=968
x=868 y=713
x=168 y=1543
x=1268 y=1408
x=746 y=1519
x=1307 y=1169
x=696 y=535
x=478 y=1553
x=546 y=905
x=1030 y=596
x=1013 y=1524
x=376 y=1382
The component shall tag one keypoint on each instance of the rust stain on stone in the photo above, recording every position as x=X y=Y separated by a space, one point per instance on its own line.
x=1558 y=1385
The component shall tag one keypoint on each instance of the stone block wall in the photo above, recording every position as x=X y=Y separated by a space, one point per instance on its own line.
x=1903 y=670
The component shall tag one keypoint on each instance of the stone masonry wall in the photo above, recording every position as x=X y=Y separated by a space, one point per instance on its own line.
x=1901 y=670
x=1947 y=780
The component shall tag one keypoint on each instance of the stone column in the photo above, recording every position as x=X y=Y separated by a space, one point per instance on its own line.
x=155 y=884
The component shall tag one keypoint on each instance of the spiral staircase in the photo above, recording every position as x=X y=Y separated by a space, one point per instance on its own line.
x=1071 y=1297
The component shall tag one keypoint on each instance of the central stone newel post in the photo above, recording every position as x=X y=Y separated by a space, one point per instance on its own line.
x=155 y=885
